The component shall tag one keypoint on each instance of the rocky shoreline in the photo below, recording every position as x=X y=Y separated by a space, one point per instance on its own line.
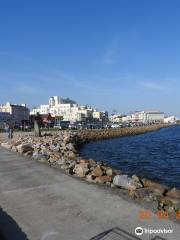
x=60 y=150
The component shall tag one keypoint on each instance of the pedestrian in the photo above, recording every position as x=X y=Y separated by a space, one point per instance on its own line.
x=10 y=132
x=6 y=128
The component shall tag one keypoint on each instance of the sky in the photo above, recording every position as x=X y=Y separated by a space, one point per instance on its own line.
x=121 y=55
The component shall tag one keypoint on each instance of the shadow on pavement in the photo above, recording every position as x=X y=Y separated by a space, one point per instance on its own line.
x=9 y=229
x=119 y=234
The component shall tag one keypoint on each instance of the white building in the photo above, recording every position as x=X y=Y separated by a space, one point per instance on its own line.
x=18 y=113
x=148 y=116
x=127 y=118
x=171 y=119
x=68 y=111
x=115 y=118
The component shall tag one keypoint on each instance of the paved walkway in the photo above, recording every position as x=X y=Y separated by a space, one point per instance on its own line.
x=41 y=203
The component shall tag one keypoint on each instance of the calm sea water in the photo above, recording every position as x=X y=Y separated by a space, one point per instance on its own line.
x=154 y=155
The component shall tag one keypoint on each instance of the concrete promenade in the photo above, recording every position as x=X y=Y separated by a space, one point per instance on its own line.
x=42 y=203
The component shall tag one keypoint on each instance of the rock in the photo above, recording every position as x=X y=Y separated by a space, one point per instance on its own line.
x=135 y=178
x=67 y=139
x=141 y=193
x=54 y=148
x=126 y=182
x=56 y=155
x=70 y=170
x=71 y=155
x=83 y=161
x=175 y=193
x=29 y=153
x=169 y=201
x=39 y=156
x=97 y=172
x=92 y=163
x=61 y=161
x=14 y=149
x=170 y=210
x=23 y=148
x=6 y=145
x=72 y=164
x=109 y=171
x=103 y=179
x=81 y=169
x=70 y=146
x=64 y=167
x=156 y=188
x=90 y=178
x=52 y=160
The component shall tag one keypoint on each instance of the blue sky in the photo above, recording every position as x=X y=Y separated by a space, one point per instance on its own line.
x=113 y=54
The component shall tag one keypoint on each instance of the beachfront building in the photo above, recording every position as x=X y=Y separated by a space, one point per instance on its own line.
x=14 y=113
x=115 y=118
x=4 y=118
x=68 y=110
x=171 y=119
x=127 y=118
x=148 y=117
x=42 y=109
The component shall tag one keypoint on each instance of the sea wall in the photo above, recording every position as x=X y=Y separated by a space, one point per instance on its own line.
x=100 y=134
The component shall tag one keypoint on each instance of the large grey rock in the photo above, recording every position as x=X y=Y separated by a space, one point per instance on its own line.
x=39 y=156
x=126 y=182
x=23 y=148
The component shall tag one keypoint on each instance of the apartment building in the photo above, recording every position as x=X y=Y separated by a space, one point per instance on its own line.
x=148 y=116
x=15 y=113
x=68 y=111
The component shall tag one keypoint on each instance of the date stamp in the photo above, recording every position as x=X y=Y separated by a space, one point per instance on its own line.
x=161 y=215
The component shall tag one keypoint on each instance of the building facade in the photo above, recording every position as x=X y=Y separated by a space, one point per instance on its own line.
x=170 y=119
x=4 y=118
x=68 y=111
x=16 y=113
x=148 y=117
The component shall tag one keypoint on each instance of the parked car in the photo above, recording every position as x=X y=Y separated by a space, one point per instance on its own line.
x=72 y=126
x=115 y=125
x=107 y=126
x=57 y=125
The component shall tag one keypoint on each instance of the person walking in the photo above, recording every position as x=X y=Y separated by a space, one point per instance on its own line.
x=6 y=127
x=10 y=131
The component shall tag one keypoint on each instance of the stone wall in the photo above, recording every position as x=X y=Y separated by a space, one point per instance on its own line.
x=94 y=135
